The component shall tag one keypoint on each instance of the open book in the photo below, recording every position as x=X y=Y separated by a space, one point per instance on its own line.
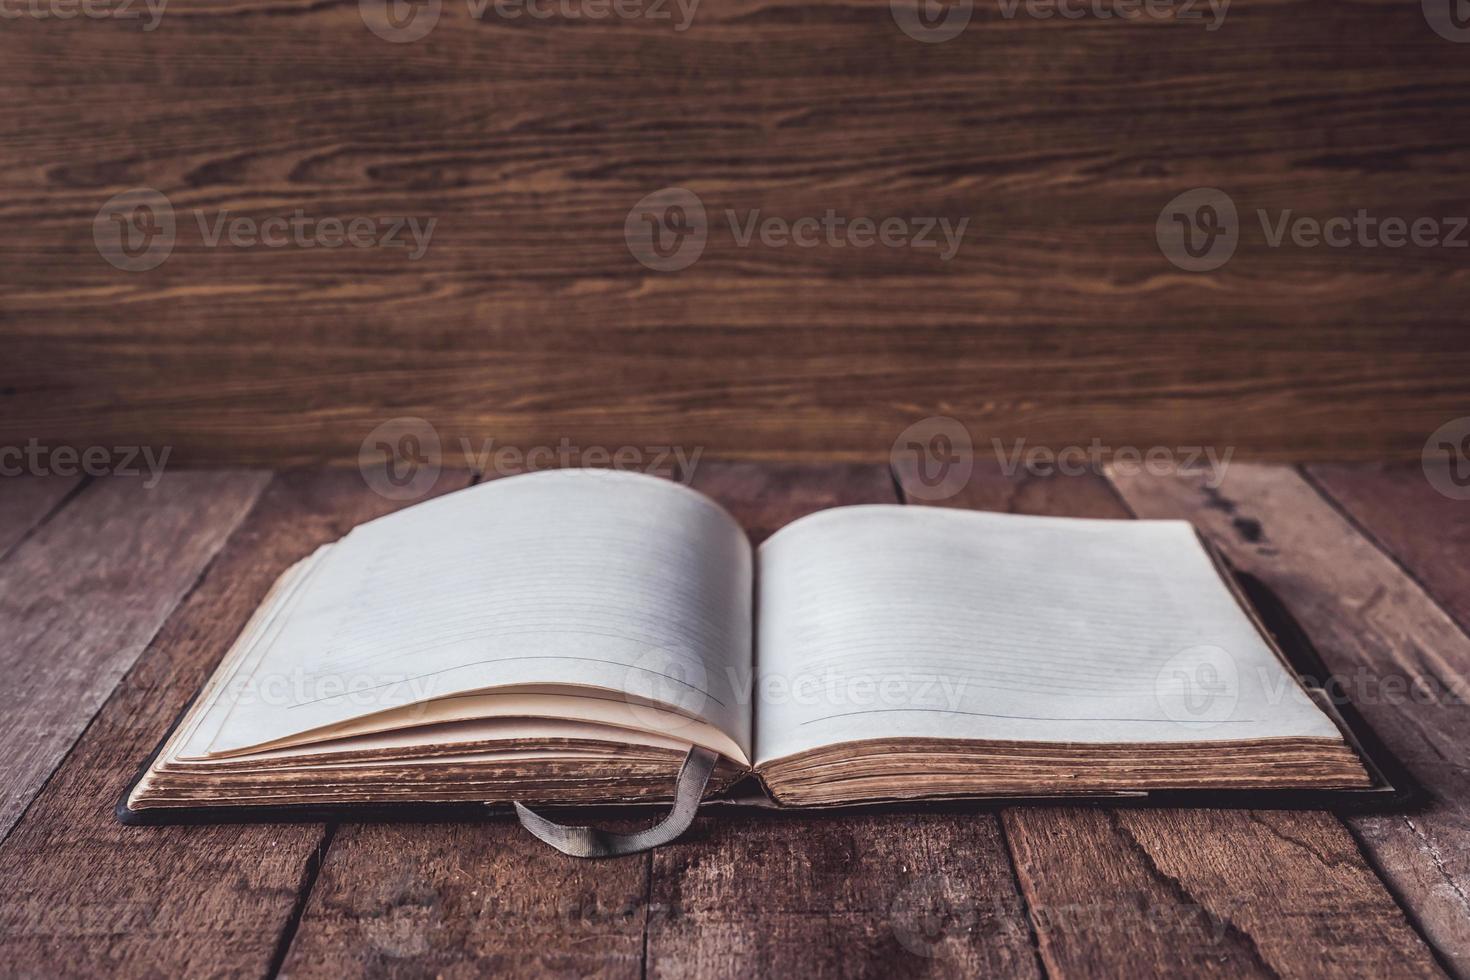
x=567 y=636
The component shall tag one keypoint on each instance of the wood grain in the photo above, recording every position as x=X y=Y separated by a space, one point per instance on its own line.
x=831 y=895
x=529 y=320
x=82 y=597
x=1427 y=532
x=85 y=896
x=28 y=501
x=1186 y=892
x=1399 y=657
x=881 y=895
x=467 y=900
x=1226 y=893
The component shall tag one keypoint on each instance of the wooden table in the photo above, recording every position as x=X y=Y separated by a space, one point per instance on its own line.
x=116 y=599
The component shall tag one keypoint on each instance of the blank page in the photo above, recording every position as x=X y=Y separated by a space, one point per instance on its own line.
x=918 y=622
x=628 y=584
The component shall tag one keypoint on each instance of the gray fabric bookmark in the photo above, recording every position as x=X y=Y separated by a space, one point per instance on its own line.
x=589 y=842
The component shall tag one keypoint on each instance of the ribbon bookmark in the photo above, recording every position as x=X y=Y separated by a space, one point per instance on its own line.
x=589 y=842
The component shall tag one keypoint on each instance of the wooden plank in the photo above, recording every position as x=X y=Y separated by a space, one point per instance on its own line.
x=86 y=896
x=1208 y=893
x=26 y=501
x=468 y=900
x=816 y=896
x=836 y=896
x=785 y=107
x=1399 y=657
x=1426 y=531
x=1187 y=892
x=83 y=596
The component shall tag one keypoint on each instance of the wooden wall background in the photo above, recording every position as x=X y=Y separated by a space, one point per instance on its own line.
x=529 y=321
